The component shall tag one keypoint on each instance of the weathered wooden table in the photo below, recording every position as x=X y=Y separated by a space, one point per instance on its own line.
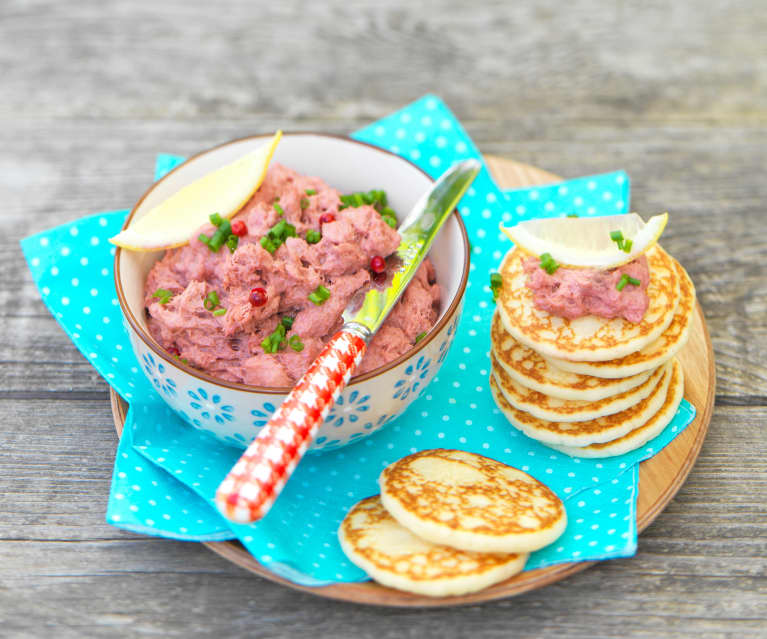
x=90 y=91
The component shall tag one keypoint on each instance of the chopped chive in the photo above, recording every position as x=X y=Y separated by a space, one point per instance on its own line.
x=496 y=284
x=211 y=301
x=627 y=245
x=215 y=219
x=219 y=312
x=617 y=237
x=287 y=321
x=622 y=282
x=319 y=295
x=572 y=215
x=268 y=244
x=164 y=294
x=279 y=209
x=296 y=344
x=419 y=337
x=304 y=203
x=549 y=264
x=312 y=236
x=203 y=238
x=274 y=342
x=232 y=242
x=634 y=281
x=311 y=191
x=390 y=220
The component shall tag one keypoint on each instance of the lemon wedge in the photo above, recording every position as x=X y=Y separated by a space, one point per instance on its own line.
x=587 y=242
x=224 y=191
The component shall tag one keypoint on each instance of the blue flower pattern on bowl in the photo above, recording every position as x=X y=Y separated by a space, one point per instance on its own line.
x=156 y=372
x=445 y=345
x=262 y=416
x=208 y=407
x=348 y=408
x=414 y=376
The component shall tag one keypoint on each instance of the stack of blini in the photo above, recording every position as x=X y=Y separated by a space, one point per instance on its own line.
x=590 y=386
x=450 y=522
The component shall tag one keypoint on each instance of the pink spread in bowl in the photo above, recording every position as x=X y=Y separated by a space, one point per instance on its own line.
x=230 y=391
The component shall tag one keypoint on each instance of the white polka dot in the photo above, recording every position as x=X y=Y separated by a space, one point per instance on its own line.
x=102 y=221
x=65 y=251
x=486 y=214
x=65 y=301
x=87 y=310
x=415 y=154
x=399 y=133
x=44 y=241
x=441 y=142
x=426 y=120
x=562 y=190
x=54 y=270
x=394 y=148
x=619 y=204
x=435 y=161
x=104 y=272
x=460 y=147
x=405 y=117
x=534 y=194
x=549 y=206
x=607 y=195
x=521 y=209
x=379 y=130
x=578 y=201
x=94 y=241
x=591 y=185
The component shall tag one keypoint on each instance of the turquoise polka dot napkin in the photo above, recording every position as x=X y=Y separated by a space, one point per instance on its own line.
x=166 y=473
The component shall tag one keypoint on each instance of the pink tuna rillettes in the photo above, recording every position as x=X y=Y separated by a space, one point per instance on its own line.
x=229 y=346
x=574 y=292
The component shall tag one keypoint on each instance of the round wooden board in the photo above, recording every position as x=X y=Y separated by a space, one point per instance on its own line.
x=660 y=477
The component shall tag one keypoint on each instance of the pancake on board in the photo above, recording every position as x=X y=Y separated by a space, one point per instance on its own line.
x=568 y=410
x=651 y=356
x=639 y=436
x=468 y=501
x=587 y=338
x=395 y=557
x=589 y=432
x=526 y=367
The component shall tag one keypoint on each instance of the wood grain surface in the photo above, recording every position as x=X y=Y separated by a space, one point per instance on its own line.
x=674 y=93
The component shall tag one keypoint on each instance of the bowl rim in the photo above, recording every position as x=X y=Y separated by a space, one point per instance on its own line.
x=158 y=350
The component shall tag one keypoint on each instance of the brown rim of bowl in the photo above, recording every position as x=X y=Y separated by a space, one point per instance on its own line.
x=282 y=390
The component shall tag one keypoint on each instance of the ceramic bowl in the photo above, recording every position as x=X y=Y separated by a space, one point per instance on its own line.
x=234 y=413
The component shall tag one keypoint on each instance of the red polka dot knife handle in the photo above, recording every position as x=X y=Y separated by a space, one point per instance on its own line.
x=256 y=480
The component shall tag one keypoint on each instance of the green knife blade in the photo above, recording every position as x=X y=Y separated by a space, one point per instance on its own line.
x=417 y=231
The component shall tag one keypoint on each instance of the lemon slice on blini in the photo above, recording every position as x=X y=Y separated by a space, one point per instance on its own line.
x=224 y=191
x=587 y=241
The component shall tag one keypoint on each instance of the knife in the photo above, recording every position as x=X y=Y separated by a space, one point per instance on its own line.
x=255 y=481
